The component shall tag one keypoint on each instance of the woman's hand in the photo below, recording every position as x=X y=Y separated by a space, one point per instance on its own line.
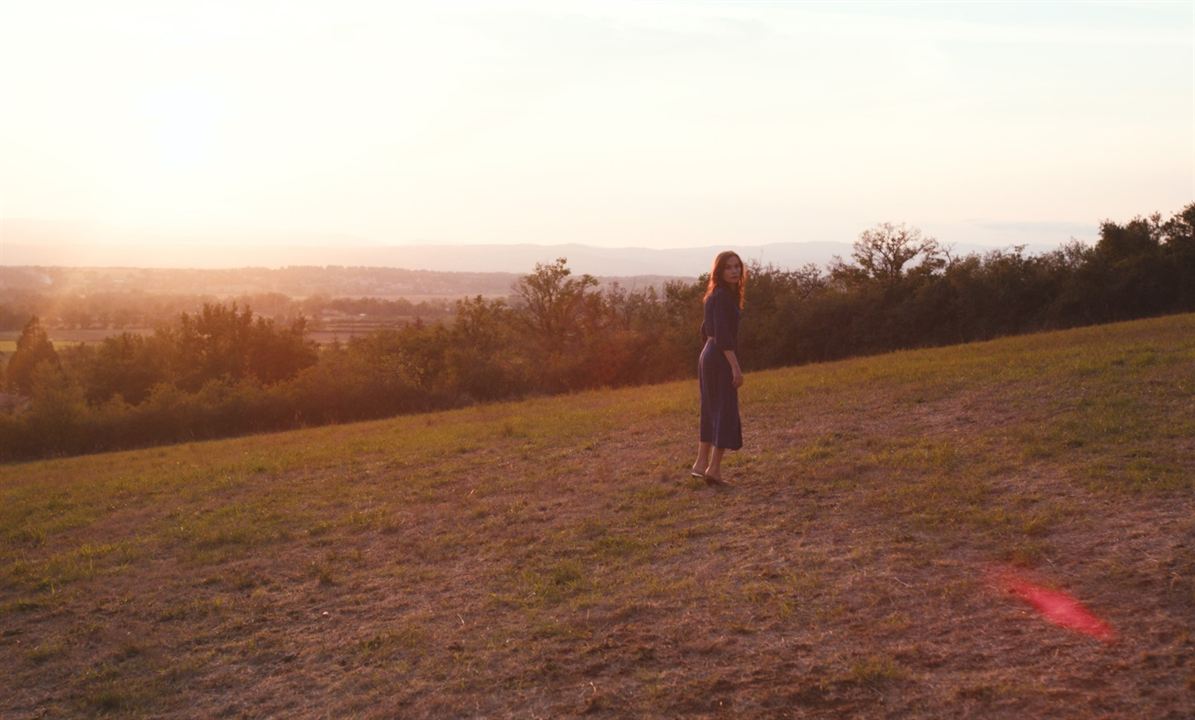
x=736 y=373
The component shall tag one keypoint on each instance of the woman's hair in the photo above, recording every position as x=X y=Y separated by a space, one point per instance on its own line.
x=716 y=275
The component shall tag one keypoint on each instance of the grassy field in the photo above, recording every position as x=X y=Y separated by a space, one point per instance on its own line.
x=551 y=558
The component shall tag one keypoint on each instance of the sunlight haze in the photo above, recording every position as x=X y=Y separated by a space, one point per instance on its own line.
x=655 y=125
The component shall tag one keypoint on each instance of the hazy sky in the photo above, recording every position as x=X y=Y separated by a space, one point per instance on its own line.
x=655 y=124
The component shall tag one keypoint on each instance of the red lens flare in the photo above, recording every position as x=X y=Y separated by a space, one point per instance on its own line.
x=1055 y=606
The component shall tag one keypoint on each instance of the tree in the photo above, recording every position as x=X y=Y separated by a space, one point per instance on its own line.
x=33 y=349
x=223 y=343
x=1137 y=282
x=128 y=365
x=279 y=354
x=552 y=303
x=882 y=252
x=1179 y=231
x=211 y=345
x=483 y=359
x=57 y=410
x=1136 y=238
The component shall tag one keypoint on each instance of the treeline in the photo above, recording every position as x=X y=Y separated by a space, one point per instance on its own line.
x=224 y=370
x=120 y=310
x=901 y=290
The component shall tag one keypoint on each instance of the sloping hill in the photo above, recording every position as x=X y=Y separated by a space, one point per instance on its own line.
x=551 y=558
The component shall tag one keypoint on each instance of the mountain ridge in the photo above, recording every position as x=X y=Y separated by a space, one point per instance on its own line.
x=510 y=258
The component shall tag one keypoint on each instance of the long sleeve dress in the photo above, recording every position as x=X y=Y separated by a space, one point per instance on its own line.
x=719 y=397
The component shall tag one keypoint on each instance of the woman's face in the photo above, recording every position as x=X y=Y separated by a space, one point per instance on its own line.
x=732 y=271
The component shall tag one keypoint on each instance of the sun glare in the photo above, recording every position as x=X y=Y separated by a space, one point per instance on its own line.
x=181 y=125
x=663 y=125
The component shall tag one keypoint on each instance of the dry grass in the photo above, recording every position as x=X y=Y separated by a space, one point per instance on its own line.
x=551 y=558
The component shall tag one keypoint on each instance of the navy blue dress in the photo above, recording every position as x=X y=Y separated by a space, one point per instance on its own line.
x=719 y=397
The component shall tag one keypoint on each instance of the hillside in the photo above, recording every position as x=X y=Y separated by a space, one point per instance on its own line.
x=552 y=558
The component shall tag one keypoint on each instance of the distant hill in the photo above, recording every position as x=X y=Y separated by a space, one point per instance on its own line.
x=602 y=261
x=295 y=282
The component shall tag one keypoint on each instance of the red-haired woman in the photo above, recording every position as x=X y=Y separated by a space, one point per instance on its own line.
x=718 y=367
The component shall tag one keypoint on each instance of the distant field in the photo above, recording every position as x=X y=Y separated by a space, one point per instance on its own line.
x=8 y=346
x=62 y=338
x=66 y=338
x=552 y=558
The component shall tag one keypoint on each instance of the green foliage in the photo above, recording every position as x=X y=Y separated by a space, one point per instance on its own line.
x=554 y=304
x=58 y=409
x=127 y=365
x=33 y=349
x=478 y=352
x=558 y=316
x=220 y=343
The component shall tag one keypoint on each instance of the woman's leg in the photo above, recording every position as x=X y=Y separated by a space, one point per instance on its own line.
x=714 y=469
x=703 y=457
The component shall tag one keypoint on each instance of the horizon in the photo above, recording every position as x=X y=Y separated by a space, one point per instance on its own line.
x=513 y=258
x=613 y=125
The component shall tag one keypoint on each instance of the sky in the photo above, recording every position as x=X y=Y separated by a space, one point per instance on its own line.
x=616 y=124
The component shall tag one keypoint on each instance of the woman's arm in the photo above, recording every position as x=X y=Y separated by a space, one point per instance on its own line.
x=728 y=334
x=736 y=375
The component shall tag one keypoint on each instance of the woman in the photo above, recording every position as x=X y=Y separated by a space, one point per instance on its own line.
x=718 y=367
